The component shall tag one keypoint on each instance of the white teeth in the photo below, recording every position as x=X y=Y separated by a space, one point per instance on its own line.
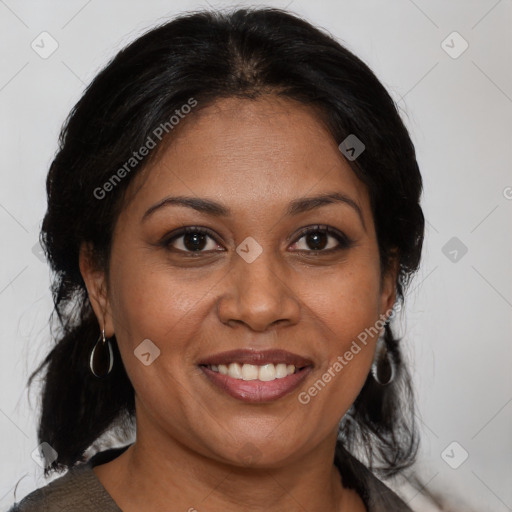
x=265 y=373
x=235 y=371
x=249 y=372
x=281 y=371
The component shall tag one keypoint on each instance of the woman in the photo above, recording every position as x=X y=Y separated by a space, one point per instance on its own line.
x=233 y=216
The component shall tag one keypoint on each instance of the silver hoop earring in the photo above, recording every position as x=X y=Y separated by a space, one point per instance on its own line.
x=383 y=367
x=101 y=359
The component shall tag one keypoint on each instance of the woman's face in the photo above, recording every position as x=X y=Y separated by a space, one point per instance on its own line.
x=255 y=282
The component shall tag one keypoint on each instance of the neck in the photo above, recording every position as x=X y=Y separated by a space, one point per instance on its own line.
x=157 y=471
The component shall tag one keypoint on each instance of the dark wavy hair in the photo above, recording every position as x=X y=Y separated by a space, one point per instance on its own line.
x=207 y=55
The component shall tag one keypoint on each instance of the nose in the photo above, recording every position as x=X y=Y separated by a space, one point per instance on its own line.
x=258 y=294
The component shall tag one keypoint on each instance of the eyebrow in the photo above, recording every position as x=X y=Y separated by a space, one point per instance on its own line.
x=218 y=210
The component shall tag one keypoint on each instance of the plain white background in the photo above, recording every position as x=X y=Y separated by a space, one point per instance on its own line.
x=457 y=322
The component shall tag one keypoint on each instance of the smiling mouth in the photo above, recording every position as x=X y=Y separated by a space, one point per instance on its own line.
x=263 y=373
x=256 y=375
x=248 y=383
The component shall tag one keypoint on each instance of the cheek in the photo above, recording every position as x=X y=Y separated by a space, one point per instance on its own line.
x=151 y=303
x=346 y=302
x=346 y=312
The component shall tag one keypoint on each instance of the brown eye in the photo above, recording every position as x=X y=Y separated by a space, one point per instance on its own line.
x=191 y=239
x=323 y=239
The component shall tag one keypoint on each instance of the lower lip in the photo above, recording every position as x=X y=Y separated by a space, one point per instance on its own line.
x=256 y=391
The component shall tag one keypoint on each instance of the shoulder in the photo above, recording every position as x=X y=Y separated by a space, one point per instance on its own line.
x=377 y=496
x=77 y=490
x=382 y=498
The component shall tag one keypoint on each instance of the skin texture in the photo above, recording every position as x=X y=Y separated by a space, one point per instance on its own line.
x=254 y=157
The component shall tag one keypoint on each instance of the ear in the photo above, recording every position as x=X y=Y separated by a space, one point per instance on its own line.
x=388 y=288
x=96 y=284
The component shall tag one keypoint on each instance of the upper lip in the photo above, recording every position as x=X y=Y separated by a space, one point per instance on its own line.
x=257 y=357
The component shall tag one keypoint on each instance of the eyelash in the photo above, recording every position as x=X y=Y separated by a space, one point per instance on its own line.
x=343 y=240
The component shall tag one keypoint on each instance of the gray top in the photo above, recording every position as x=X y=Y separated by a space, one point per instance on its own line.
x=79 y=490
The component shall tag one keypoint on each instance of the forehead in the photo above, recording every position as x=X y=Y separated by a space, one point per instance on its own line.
x=250 y=154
